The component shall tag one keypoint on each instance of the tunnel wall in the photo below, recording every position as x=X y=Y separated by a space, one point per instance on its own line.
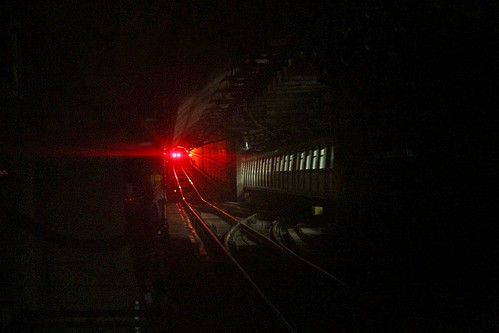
x=218 y=161
x=56 y=257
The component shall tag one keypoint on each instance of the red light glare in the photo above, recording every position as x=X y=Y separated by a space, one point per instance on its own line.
x=179 y=152
x=98 y=151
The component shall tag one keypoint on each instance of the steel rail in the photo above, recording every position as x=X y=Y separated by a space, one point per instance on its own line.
x=280 y=246
x=226 y=251
x=277 y=245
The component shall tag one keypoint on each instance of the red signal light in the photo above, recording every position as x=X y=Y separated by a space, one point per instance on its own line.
x=179 y=152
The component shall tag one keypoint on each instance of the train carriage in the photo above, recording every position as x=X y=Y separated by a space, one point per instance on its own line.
x=305 y=170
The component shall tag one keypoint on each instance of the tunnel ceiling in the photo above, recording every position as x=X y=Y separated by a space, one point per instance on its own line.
x=261 y=72
x=258 y=100
x=386 y=65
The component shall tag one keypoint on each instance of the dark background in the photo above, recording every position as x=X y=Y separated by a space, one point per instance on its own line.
x=82 y=80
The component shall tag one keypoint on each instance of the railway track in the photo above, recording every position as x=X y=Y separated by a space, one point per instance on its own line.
x=303 y=296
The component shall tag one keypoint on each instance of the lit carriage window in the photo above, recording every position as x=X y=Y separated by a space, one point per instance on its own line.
x=269 y=170
x=253 y=172
x=258 y=171
x=277 y=163
x=290 y=166
x=322 y=158
x=307 y=163
x=302 y=160
x=331 y=158
x=262 y=171
x=285 y=164
x=315 y=156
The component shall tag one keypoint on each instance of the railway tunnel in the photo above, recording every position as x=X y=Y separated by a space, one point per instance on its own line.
x=360 y=138
x=370 y=185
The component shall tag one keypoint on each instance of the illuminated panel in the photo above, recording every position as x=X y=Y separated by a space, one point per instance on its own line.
x=331 y=157
x=307 y=160
x=315 y=156
x=322 y=158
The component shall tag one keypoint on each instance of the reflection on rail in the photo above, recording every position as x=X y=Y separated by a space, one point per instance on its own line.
x=303 y=296
x=195 y=203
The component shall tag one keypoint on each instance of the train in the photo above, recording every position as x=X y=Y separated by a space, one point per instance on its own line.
x=357 y=183
x=176 y=154
x=305 y=169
